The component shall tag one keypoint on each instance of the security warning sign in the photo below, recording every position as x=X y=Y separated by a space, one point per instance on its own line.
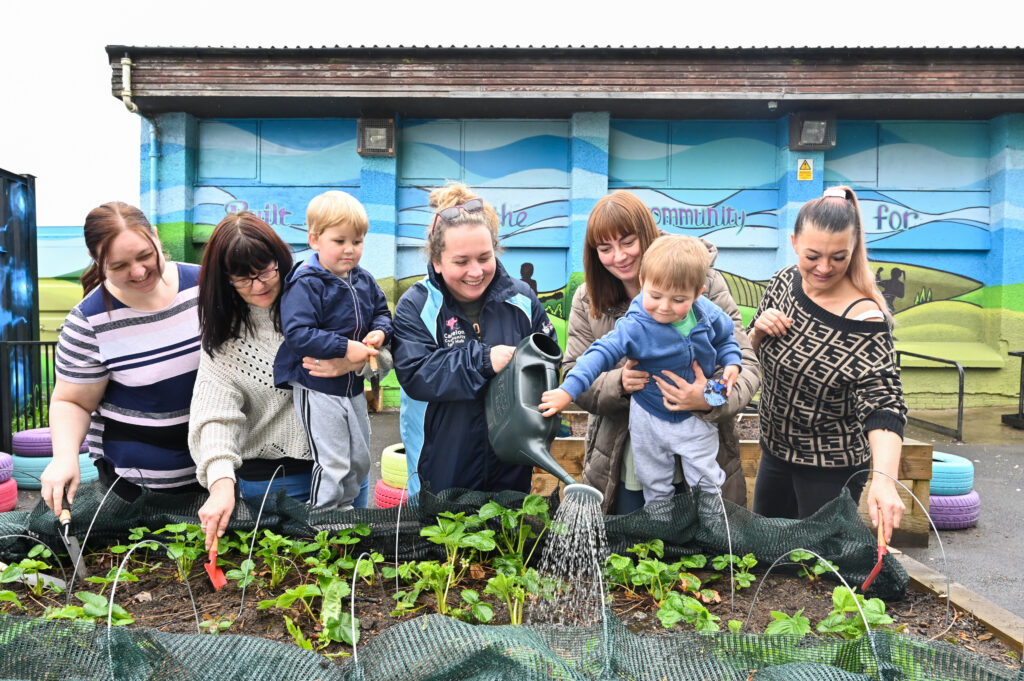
x=805 y=169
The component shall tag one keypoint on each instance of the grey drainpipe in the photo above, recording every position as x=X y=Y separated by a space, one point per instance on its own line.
x=126 y=97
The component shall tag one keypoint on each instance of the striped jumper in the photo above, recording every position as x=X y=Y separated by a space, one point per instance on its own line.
x=150 y=359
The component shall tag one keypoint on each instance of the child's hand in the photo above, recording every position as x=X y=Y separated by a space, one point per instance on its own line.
x=358 y=353
x=554 y=401
x=374 y=339
x=729 y=375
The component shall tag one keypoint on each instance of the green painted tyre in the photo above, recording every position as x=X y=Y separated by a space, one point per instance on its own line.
x=393 y=468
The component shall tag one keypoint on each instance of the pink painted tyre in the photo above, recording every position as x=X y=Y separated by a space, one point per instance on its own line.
x=8 y=495
x=955 y=512
x=386 y=496
x=6 y=466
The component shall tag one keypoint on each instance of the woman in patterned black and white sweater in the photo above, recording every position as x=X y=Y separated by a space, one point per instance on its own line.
x=831 y=397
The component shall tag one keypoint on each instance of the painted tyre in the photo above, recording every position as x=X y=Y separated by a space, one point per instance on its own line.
x=6 y=466
x=28 y=469
x=386 y=496
x=393 y=467
x=952 y=475
x=8 y=495
x=36 y=442
x=32 y=442
x=955 y=512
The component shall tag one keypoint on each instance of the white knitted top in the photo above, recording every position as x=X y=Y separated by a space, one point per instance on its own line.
x=236 y=412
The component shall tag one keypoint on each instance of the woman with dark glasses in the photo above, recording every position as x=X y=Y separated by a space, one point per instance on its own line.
x=242 y=427
x=453 y=331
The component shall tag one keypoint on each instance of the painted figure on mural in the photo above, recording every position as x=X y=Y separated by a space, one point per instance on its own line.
x=526 y=274
x=893 y=288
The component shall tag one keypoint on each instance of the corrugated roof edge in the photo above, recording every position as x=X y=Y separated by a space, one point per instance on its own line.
x=119 y=49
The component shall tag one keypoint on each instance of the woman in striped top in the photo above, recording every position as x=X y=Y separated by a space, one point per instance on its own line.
x=831 y=399
x=126 y=363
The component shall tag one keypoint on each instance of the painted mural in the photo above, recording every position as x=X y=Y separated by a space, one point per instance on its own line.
x=941 y=201
x=17 y=288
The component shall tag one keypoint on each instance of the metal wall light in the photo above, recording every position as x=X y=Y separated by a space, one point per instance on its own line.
x=812 y=131
x=376 y=137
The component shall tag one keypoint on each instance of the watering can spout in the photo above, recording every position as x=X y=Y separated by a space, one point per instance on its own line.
x=518 y=432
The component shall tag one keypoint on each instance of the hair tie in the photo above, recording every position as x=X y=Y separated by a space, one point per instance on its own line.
x=834 y=192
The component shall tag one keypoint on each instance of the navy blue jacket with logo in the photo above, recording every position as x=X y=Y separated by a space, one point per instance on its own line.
x=444 y=366
x=320 y=312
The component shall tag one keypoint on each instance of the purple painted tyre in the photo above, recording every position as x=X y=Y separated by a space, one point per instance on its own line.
x=955 y=512
x=32 y=442
x=6 y=466
x=8 y=495
x=36 y=442
x=386 y=496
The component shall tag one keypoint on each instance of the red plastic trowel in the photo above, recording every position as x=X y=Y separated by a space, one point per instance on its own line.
x=217 y=577
x=882 y=550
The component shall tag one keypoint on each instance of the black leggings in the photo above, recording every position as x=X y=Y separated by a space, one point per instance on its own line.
x=786 y=490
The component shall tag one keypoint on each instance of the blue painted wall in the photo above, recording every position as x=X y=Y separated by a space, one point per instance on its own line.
x=942 y=202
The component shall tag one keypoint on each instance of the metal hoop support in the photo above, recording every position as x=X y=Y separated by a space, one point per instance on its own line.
x=867 y=627
x=398 y=521
x=64 y=574
x=252 y=540
x=728 y=543
x=113 y=591
x=88 y=530
x=942 y=549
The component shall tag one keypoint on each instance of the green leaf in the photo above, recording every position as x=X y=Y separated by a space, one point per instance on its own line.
x=536 y=505
x=481 y=541
x=491 y=509
x=11 y=597
x=296 y=633
x=784 y=624
x=483 y=612
x=744 y=579
x=693 y=562
x=800 y=555
x=735 y=626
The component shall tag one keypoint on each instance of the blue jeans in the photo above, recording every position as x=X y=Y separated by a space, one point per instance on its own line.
x=295 y=486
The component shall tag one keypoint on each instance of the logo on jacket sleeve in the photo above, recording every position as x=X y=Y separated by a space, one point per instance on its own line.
x=452 y=334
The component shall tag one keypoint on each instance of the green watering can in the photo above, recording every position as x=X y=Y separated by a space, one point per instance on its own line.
x=516 y=429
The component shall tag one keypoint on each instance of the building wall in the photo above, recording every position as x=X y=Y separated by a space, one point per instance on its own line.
x=942 y=203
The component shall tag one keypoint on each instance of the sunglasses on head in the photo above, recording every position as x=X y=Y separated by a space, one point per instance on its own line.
x=453 y=212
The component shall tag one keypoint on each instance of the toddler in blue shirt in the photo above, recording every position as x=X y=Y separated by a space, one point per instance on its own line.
x=668 y=326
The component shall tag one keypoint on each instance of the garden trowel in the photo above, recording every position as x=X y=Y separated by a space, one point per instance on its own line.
x=882 y=550
x=217 y=577
x=374 y=384
x=71 y=541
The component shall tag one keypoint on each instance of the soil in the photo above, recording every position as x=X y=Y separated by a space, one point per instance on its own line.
x=159 y=601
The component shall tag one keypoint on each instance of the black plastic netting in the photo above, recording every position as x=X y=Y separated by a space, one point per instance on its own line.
x=434 y=647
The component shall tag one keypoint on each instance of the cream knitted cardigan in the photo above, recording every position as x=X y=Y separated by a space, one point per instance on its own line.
x=236 y=411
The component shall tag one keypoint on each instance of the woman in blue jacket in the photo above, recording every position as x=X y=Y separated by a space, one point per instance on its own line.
x=453 y=331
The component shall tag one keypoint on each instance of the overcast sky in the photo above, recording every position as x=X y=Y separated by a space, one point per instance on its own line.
x=59 y=121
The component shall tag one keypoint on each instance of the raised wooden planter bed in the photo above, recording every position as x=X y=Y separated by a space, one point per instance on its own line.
x=915 y=473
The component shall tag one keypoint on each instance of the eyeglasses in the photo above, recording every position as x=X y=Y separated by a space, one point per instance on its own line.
x=247 y=282
x=452 y=212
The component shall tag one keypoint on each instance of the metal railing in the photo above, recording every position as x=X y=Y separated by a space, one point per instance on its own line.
x=957 y=433
x=26 y=383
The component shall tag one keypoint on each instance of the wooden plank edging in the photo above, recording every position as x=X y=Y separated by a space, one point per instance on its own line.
x=1005 y=625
